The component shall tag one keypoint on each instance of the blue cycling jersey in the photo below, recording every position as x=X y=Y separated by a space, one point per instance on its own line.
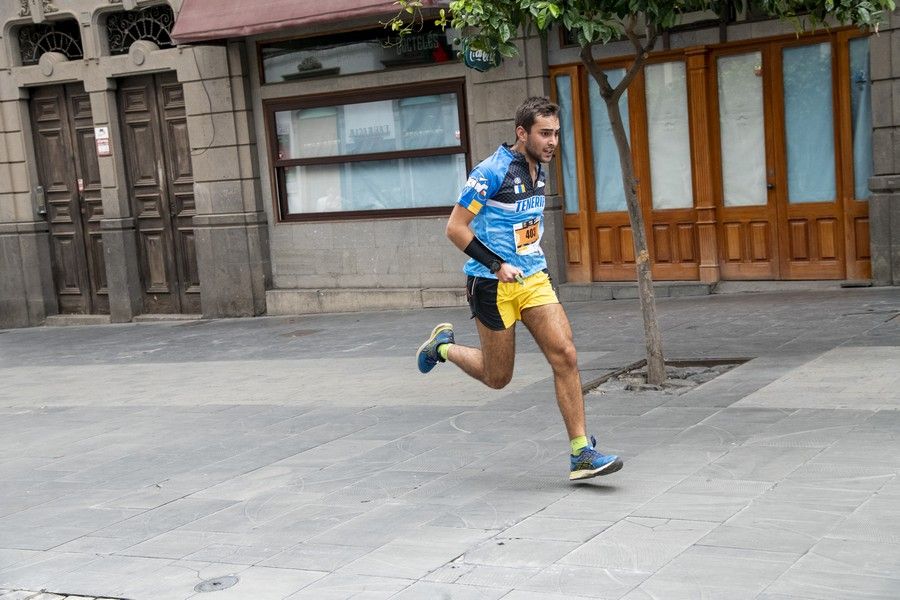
x=509 y=211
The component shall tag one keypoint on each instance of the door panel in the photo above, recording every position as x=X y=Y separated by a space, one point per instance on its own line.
x=747 y=213
x=180 y=187
x=855 y=101
x=613 y=249
x=811 y=235
x=571 y=174
x=665 y=166
x=161 y=187
x=69 y=173
x=89 y=186
x=144 y=153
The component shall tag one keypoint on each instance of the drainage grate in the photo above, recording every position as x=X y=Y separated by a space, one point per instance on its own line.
x=216 y=584
x=706 y=370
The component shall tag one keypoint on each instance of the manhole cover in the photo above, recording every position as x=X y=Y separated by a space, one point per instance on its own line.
x=216 y=584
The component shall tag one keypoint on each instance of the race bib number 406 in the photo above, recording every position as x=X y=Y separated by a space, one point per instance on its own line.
x=527 y=236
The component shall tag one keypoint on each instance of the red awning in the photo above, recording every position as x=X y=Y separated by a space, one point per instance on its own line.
x=204 y=20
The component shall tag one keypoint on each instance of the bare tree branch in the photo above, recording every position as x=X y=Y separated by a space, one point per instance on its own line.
x=640 y=55
x=652 y=35
x=635 y=67
x=632 y=36
x=599 y=75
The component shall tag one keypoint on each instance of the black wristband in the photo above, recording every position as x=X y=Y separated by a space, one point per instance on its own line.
x=477 y=250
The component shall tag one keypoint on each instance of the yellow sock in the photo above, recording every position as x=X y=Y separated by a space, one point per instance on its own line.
x=442 y=350
x=578 y=444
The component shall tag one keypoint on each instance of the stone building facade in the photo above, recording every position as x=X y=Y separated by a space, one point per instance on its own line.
x=236 y=171
x=129 y=181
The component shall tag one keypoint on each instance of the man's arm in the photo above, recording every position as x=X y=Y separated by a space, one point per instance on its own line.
x=458 y=229
x=460 y=233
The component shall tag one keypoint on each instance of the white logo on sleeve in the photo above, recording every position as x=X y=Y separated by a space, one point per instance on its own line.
x=480 y=186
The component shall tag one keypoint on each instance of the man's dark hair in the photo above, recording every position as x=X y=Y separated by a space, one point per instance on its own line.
x=535 y=106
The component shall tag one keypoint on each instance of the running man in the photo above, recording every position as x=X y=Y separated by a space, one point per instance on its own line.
x=498 y=222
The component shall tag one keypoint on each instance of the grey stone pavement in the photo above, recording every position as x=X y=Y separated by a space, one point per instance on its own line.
x=308 y=458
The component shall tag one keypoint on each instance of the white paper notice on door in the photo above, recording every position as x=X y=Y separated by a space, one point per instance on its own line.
x=101 y=137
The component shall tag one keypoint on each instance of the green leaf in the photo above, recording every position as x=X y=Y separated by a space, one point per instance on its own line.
x=508 y=50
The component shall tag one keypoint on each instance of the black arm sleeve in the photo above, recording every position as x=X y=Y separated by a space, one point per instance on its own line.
x=477 y=250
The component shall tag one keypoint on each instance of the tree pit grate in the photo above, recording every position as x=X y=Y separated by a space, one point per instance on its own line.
x=683 y=375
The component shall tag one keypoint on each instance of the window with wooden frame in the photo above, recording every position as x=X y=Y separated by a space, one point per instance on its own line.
x=385 y=152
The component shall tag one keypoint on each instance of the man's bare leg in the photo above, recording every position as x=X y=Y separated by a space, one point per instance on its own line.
x=492 y=364
x=553 y=333
x=551 y=330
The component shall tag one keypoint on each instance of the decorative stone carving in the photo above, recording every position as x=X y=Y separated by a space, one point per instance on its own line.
x=140 y=50
x=152 y=24
x=36 y=9
x=49 y=60
x=61 y=37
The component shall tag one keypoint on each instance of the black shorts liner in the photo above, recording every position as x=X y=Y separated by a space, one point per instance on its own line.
x=481 y=292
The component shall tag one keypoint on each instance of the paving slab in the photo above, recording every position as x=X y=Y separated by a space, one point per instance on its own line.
x=308 y=458
x=832 y=380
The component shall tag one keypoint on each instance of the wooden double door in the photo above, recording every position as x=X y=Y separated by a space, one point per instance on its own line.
x=790 y=182
x=69 y=174
x=750 y=157
x=161 y=189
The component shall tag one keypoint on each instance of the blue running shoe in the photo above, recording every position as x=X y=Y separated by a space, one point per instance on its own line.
x=590 y=463
x=427 y=356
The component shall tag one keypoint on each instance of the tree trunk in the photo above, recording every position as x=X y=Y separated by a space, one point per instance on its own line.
x=656 y=367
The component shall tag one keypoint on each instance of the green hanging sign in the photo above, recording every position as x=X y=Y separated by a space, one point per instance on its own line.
x=481 y=60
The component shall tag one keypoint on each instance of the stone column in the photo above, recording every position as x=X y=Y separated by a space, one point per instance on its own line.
x=230 y=224
x=27 y=293
x=884 y=204
x=118 y=224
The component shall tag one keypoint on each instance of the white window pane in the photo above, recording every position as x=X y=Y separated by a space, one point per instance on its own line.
x=742 y=129
x=608 y=188
x=670 y=140
x=567 y=142
x=861 y=116
x=369 y=127
x=809 y=123
x=375 y=185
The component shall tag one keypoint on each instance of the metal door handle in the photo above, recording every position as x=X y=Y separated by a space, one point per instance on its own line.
x=770 y=186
